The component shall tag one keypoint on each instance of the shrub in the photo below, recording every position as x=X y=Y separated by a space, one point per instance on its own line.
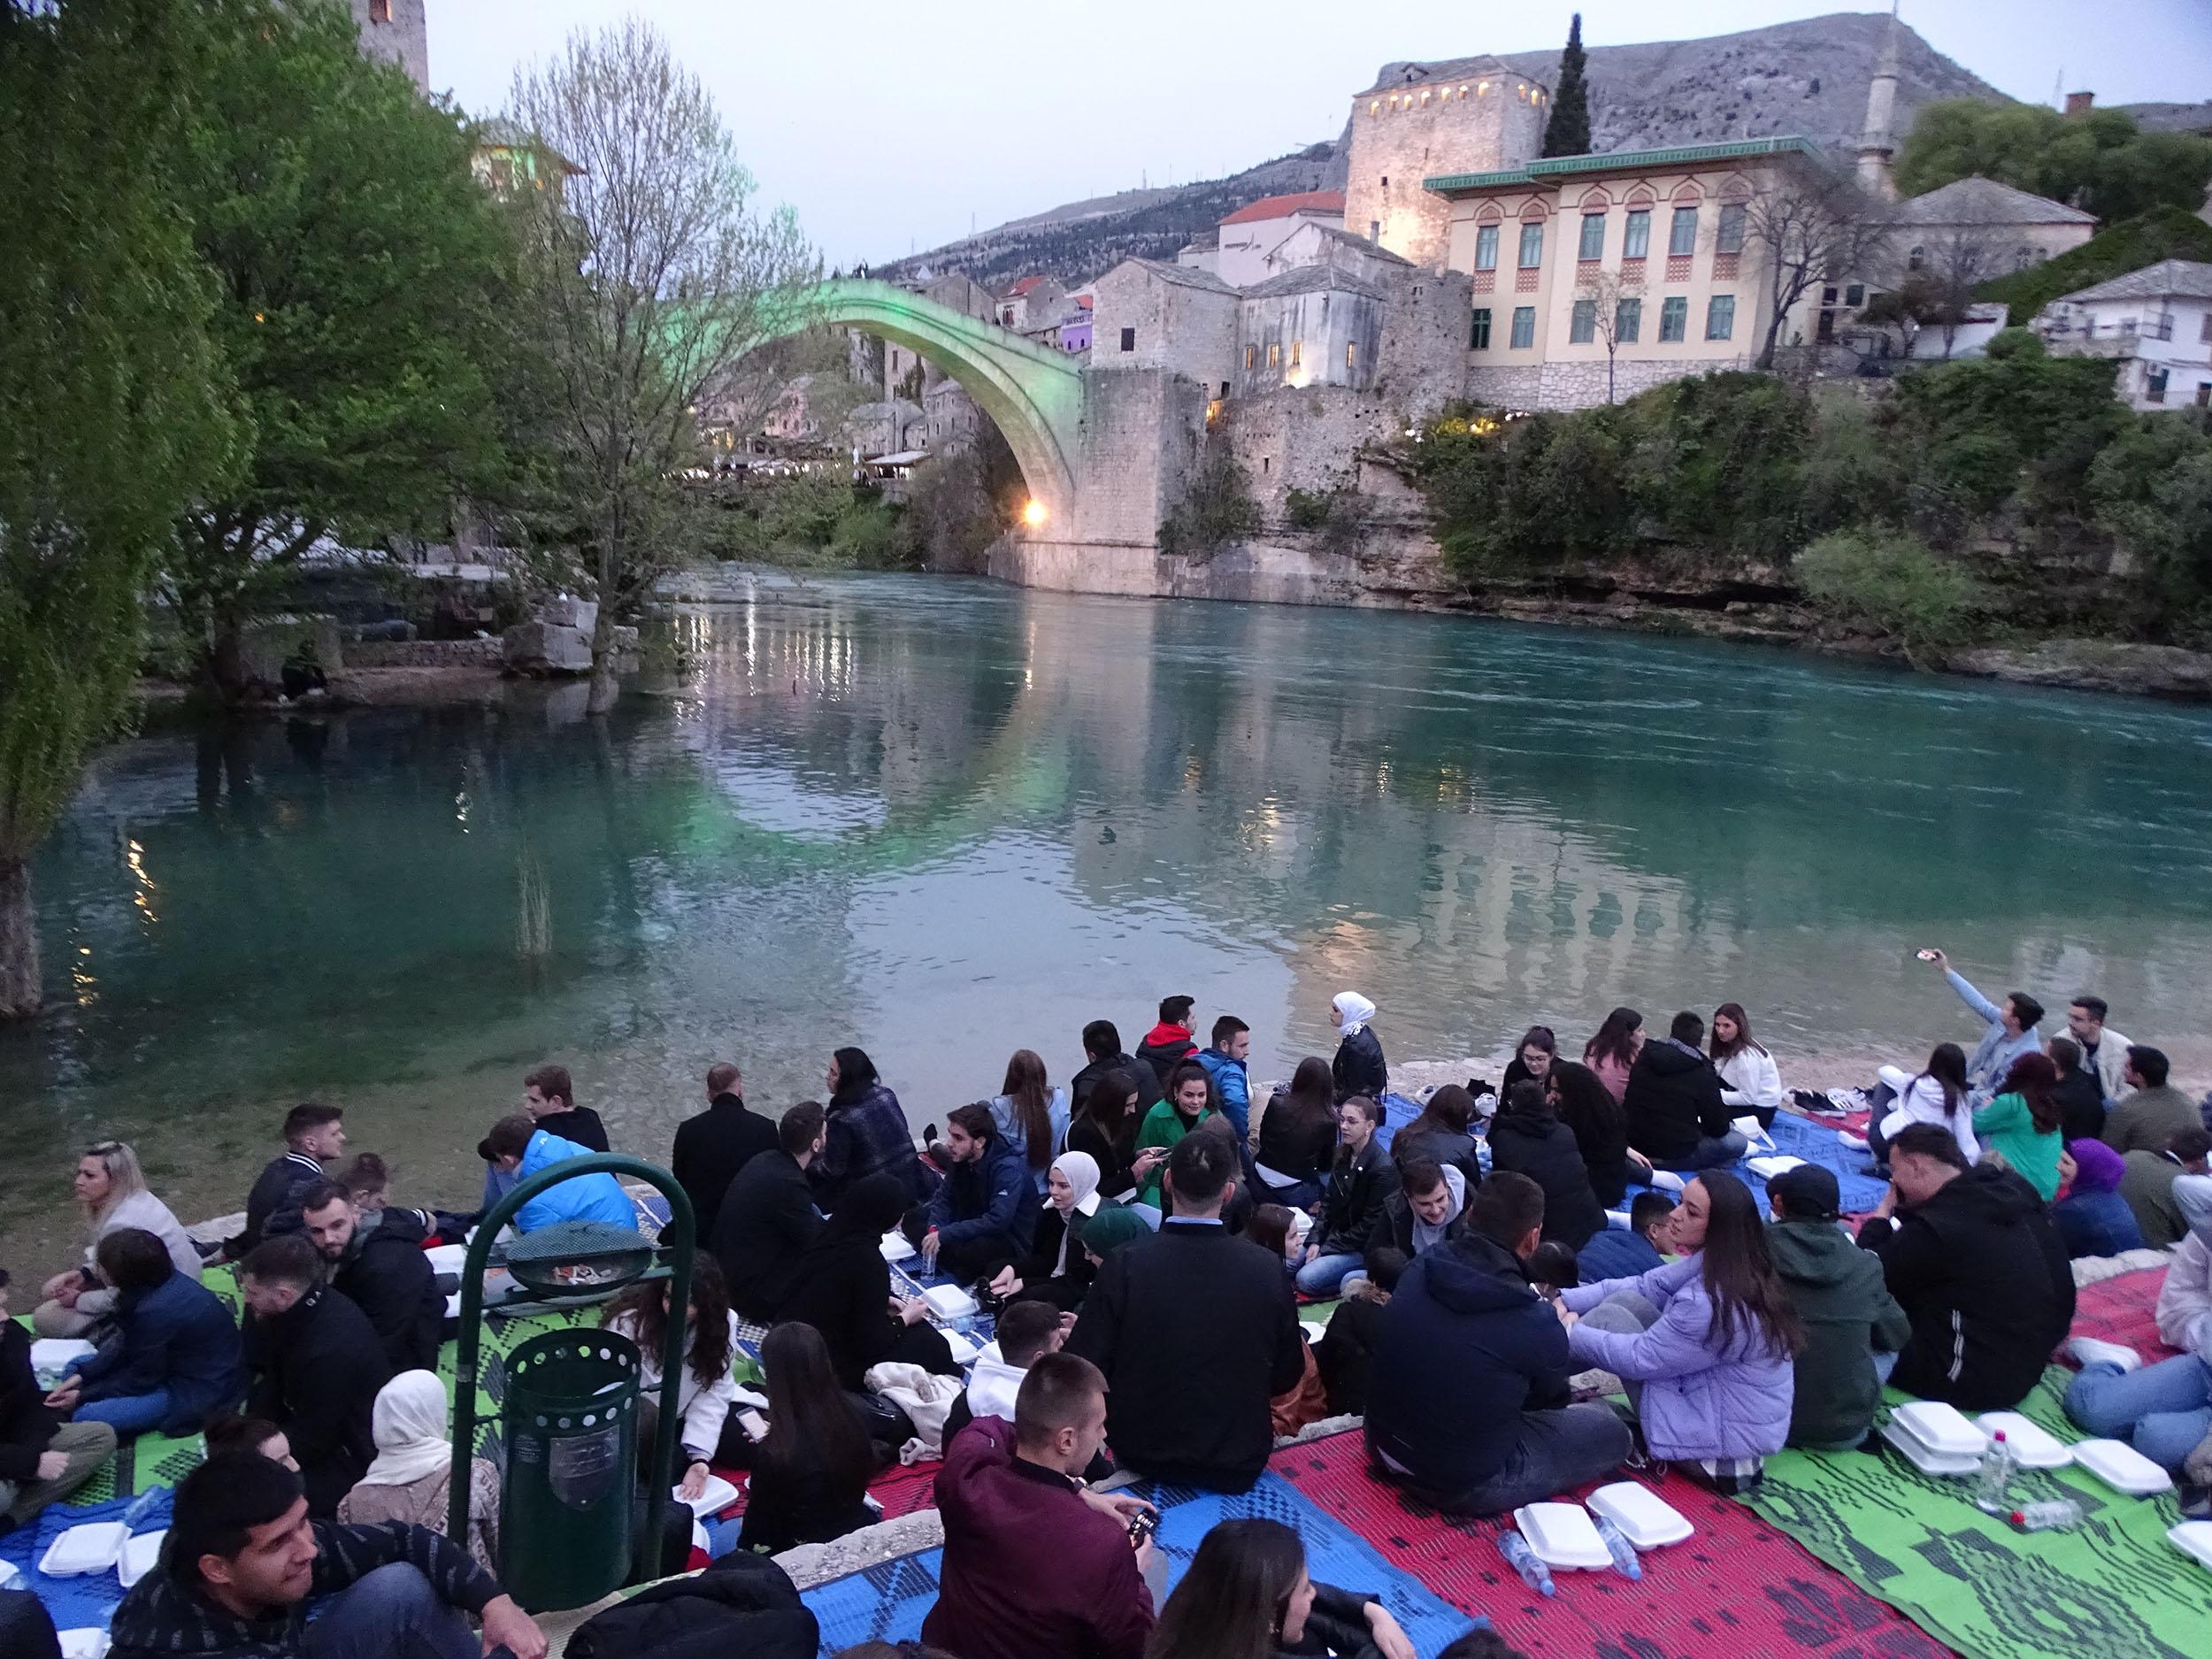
x=2152 y=490
x=1309 y=509
x=1217 y=507
x=1888 y=580
x=1718 y=459
x=2169 y=233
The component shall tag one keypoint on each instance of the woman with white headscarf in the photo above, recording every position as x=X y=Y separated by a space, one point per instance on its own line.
x=1057 y=1269
x=1358 y=1067
x=412 y=1472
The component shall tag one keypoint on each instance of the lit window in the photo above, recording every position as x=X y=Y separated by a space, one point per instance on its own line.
x=1682 y=237
x=1424 y=95
x=1628 y=322
x=1674 y=318
x=1463 y=89
x=1375 y=107
x=1592 y=237
x=1478 y=335
x=1351 y=354
x=1294 y=353
x=1486 y=248
x=1275 y=355
x=1523 y=326
x=1531 y=246
x=1582 y=327
x=1251 y=357
x=1482 y=89
x=1729 y=238
x=1720 y=317
x=1636 y=239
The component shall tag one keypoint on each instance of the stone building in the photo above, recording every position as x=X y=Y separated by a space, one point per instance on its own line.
x=2158 y=322
x=2009 y=230
x=951 y=418
x=1032 y=304
x=1150 y=315
x=1420 y=122
x=1245 y=241
x=396 y=31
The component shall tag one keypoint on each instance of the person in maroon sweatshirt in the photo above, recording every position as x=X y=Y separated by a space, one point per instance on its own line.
x=1034 y=1561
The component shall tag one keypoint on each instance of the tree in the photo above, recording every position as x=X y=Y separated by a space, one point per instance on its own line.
x=1567 y=129
x=113 y=411
x=2101 y=161
x=1809 y=224
x=1943 y=272
x=1604 y=293
x=646 y=279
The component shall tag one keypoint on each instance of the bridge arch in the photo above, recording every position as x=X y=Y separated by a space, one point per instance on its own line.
x=1031 y=393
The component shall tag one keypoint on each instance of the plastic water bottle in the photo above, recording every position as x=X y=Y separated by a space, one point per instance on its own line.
x=1998 y=1465
x=2052 y=1515
x=1616 y=1545
x=142 y=1506
x=1526 y=1562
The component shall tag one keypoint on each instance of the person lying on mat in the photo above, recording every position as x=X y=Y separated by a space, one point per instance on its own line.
x=1853 y=1325
x=1971 y=1257
x=1705 y=1344
x=1246 y=1592
x=244 y=1567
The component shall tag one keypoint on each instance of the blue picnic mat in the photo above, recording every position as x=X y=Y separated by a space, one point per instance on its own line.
x=87 y=1602
x=887 y=1602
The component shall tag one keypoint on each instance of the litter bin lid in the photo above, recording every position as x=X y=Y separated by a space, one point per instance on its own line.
x=579 y=1255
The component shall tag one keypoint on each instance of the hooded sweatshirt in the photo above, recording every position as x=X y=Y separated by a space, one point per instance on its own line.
x=2093 y=1218
x=1673 y=1099
x=2184 y=1302
x=1963 y=1263
x=1164 y=1048
x=1848 y=1313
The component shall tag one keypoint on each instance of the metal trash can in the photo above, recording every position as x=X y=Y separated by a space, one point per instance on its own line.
x=570 y=1422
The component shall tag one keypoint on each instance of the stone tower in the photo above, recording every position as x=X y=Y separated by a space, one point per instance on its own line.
x=1427 y=121
x=394 y=32
x=1878 y=143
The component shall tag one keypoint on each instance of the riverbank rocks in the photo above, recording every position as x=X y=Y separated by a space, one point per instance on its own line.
x=547 y=648
x=2143 y=671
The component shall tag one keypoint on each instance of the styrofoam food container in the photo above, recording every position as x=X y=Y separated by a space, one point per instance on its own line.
x=2192 y=1538
x=91 y=1642
x=8 y=1574
x=2122 y=1467
x=949 y=1302
x=1314 y=1328
x=1767 y=1168
x=963 y=1349
x=91 y=1547
x=1562 y=1535
x=2035 y=1445
x=1943 y=1429
x=895 y=1248
x=1927 y=1461
x=1645 y=1519
x=715 y=1496
x=140 y=1556
x=448 y=1259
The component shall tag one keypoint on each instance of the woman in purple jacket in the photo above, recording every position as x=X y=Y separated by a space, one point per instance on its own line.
x=1705 y=1344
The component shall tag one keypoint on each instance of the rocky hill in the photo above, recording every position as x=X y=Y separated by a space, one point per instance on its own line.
x=1808 y=77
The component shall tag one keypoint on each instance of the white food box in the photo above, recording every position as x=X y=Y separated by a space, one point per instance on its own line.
x=2034 y=1446
x=949 y=1302
x=1562 y=1535
x=1314 y=1328
x=715 y=1496
x=1928 y=1463
x=963 y=1349
x=93 y=1548
x=895 y=1249
x=1767 y=1168
x=448 y=1259
x=2122 y=1467
x=1943 y=1429
x=1645 y=1519
x=2192 y=1538
x=140 y=1556
x=88 y=1643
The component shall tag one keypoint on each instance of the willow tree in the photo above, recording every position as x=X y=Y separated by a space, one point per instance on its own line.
x=649 y=272
x=114 y=413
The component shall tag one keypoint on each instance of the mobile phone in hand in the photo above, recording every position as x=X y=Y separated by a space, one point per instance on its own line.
x=755 y=1427
x=1141 y=1527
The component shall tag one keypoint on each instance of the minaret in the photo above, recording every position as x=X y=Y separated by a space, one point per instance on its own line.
x=1876 y=144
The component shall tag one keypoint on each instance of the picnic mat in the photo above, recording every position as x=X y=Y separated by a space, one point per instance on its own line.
x=2124 y=1309
x=2112 y=1587
x=87 y=1601
x=1739 y=1588
x=887 y=1602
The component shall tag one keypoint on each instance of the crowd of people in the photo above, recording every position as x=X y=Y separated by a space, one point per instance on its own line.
x=1143 y=1234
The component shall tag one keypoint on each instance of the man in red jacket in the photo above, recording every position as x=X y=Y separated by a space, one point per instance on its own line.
x=1034 y=1561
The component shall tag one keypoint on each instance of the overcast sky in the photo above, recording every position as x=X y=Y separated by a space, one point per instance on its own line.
x=889 y=126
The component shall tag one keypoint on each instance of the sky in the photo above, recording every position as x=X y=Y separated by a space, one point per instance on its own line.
x=894 y=126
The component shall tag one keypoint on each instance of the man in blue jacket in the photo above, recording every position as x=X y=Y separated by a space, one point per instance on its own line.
x=1225 y=1063
x=1468 y=1405
x=517 y=1144
x=984 y=1212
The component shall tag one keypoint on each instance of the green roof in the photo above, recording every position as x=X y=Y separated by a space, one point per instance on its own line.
x=1680 y=156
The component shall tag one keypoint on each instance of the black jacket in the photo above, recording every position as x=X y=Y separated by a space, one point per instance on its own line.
x=1196 y=1332
x=1544 y=1149
x=1983 y=1276
x=1438 y=1145
x=1356 y=1201
x=1159 y=1056
x=1358 y=1067
x=1335 y=1624
x=386 y=1275
x=26 y=1424
x=784 y=1507
x=710 y=1149
x=1039 y=1282
x=1463 y=1347
x=272 y=1205
x=766 y=1226
x=844 y=1290
x=2081 y=1106
x=1346 y=1354
x=742 y=1603
x=1604 y=1148
x=1673 y=1097
x=1114 y=1157
x=315 y=1369
x=1080 y=1085
x=1300 y=1151
x=578 y=1124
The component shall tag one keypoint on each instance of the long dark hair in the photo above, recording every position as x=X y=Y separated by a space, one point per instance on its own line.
x=1448 y=1111
x=1584 y=1103
x=1311 y=1100
x=1026 y=1087
x=646 y=1304
x=1946 y=1067
x=1749 y=1300
x=857 y=1074
x=1231 y=1602
x=2035 y=1079
x=1536 y=1037
x=1107 y=1105
x=810 y=1424
x=1613 y=1040
x=1269 y=1225
x=1728 y=1051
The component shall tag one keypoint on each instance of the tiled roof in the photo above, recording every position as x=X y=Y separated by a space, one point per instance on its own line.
x=2175 y=279
x=1181 y=275
x=1016 y=290
x=1979 y=201
x=1311 y=279
x=1678 y=156
x=1284 y=206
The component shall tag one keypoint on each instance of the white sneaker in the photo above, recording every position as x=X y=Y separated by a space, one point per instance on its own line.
x=2087 y=1350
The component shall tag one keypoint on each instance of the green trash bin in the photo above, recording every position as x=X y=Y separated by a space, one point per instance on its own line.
x=570 y=1422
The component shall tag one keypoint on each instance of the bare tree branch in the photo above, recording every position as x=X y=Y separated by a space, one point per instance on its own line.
x=1810 y=224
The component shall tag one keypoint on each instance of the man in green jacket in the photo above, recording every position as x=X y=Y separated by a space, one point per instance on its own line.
x=1188 y=1105
x=1848 y=1313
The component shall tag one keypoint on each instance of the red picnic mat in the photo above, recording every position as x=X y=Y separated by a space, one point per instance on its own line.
x=2124 y=1310
x=901 y=1489
x=1739 y=1589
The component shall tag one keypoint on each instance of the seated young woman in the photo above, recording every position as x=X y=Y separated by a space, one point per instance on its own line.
x=1057 y=1269
x=2021 y=1124
x=1106 y=1129
x=1750 y=1081
x=1443 y=1133
x=707 y=1389
x=1527 y=1139
x=811 y=1474
x=2093 y=1218
x=1588 y=1106
x=1297 y=1137
x=1247 y=1594
x=1705 y=1344
x=844 y=1290
x=1936 y=1095
x=410 y=1479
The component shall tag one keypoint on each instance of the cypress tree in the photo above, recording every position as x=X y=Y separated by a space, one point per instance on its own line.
x=1567 y=132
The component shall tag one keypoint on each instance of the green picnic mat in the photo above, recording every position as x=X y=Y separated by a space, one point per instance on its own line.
x=2110 y=1588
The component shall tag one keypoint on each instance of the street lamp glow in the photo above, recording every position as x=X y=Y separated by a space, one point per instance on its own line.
x=1033 y=515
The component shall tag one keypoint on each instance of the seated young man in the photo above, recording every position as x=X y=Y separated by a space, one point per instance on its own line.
x=1033 y=1562
x=176 y=1358
x=518 y=1146
x=244 y=1565
x=1625 y=1254
x=314 y=1136
x=1468 y=1405
x=1028 y=1331
x=385 y=1272
x=984 y=1211
x=42 y=1459
x=1676 y=1116
x=314 y=1366
x=1853 y=1325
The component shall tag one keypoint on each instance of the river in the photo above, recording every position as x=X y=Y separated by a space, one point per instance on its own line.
x=943 y=818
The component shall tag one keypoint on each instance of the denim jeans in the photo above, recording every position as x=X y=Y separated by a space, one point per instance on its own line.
x=1713 y=1152
x=392 y=1613
x=2162 y=1410
x=1325 y=1274
x=1557 y=1451
x=127 y=1413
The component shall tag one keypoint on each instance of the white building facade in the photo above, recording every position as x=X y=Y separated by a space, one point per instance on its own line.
x=2156 y=321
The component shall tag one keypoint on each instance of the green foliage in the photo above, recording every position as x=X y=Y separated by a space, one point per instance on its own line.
x=1721 y=452
x=1307 y=508
x=2101 y=162
x=2152 y=491
x=2166 y=233
x=1216 y=507
x=1890 y=581
x=2015 y=420
x=1567 y=128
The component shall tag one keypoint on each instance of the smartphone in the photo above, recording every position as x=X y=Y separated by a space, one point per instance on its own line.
x=1141 y=1527
x=1925 y=955
x=755 y=1427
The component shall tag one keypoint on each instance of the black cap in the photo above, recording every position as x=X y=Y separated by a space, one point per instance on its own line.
x=1808 y=1193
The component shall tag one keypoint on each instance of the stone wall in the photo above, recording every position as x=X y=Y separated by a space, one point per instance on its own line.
x=396 y=33
x=1393 y=149
x=1423 y=338
x=1138 y=446
x=424 y=653
x=1188 y=327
